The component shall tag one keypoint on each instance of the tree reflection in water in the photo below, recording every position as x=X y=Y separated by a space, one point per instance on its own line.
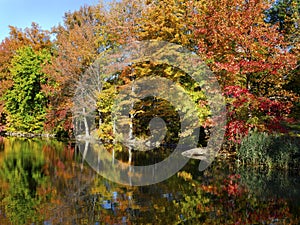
x=42 y=181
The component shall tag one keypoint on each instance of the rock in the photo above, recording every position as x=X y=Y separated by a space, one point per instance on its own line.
x=197 y=153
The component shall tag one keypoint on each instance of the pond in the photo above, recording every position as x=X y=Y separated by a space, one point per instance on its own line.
x=47 y=182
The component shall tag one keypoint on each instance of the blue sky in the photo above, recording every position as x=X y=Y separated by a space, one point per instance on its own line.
x=47 y=13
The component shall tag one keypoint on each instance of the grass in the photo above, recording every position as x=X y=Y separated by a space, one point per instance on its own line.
x=260 y=149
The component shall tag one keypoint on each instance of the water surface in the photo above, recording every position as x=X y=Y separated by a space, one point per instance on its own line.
x=47 y=182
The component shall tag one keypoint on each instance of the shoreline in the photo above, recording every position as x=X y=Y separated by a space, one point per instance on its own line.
x=26 y=135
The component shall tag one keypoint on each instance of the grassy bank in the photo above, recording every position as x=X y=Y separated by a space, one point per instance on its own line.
x=272 y=151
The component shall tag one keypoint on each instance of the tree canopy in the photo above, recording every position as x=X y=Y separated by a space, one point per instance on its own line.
x=251 y=46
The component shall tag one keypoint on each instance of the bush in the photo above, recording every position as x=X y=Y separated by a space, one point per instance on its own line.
x=272 y=151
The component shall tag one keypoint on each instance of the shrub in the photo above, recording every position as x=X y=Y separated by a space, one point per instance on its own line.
x=272 y=151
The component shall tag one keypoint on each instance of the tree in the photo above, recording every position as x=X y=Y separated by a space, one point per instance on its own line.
x=122 y=21
x=25 y=103
x=286 y=14
x=35 y=37
x=168 y=20
x=77 y=44
x=266 y=114
x=231 y=36
x=244 y=52
x=240 y=47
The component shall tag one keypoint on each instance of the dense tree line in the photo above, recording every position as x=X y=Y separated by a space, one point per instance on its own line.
x=251 y=46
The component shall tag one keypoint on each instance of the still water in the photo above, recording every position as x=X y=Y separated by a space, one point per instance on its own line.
x=47 y=182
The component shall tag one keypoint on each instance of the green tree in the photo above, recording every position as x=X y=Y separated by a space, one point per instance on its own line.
x=32 y=36
x=25 y=102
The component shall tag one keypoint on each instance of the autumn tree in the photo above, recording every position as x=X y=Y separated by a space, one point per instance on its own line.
x=165 y=20
x=33 y=36
x=244 y=52
x=286 y=13
x=78 y=42
x=122 y=21
x=169 y=21
x=247 y=54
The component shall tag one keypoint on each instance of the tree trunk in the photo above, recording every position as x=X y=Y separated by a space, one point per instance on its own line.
x=131 y=116
x=86 y=126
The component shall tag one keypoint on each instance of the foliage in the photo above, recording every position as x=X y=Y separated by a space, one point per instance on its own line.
x=254 y=148
x=250 y=58
x=247 y=111
x=251 y=46
x=271 y=151
x=25 y=102
x=78 y=42
x=148 y=108
x=286 y=13
x=242 y=49
x=168 y=20
x=35 y=37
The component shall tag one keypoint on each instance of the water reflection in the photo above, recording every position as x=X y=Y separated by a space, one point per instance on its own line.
x=273 y=184
x=44 y=182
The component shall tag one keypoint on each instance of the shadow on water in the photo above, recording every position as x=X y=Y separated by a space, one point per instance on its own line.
x=43 y=182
